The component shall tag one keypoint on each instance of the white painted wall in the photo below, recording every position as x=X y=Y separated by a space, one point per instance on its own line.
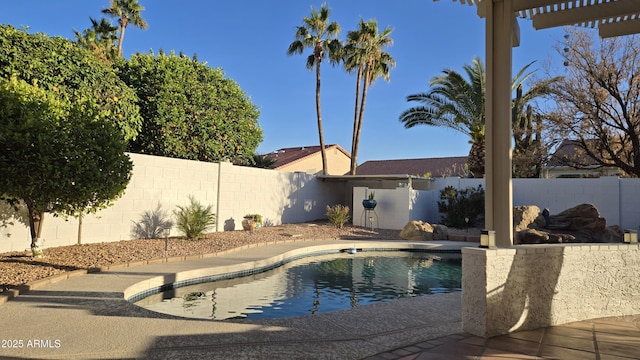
x=392 y=209
x=233 y=191
x=561 y=194
x=618 y=200
x=283 y=197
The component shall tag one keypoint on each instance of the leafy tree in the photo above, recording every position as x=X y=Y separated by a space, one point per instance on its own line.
x=597 y=101
x=74 y=73
x=457 y=103
x=320 y=35
x=100 y=39
x=57 y=155
x=190 y=110
x=127 y=12
x=364 y=54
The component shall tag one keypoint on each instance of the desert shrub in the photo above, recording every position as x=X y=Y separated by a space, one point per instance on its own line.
x=194 y=219
x=152 y=224
x=462 y=208
x=338 y=215
x=254 y=217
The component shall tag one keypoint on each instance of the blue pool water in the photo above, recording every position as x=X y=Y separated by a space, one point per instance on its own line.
x=315 y=285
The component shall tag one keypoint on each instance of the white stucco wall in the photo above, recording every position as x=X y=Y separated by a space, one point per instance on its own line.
x=395 y=207
x=233 y=191
x=617 y=199
x=391 y=208
x=533 y=286
x=561 y=194
x=284 y=197
x=629 y=207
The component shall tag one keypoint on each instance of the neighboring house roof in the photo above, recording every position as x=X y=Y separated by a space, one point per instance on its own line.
x=569 y=153
x=287 y=156
x=570 y=160
x=444 y=166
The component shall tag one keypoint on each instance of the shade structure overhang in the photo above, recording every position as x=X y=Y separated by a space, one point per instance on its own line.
x=612 y=18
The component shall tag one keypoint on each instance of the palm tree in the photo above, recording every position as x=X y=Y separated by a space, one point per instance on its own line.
x=458 y=104
x=320 y=35
x=126 y=11
x=262 y=161
x=100 y=39
x=363 y=53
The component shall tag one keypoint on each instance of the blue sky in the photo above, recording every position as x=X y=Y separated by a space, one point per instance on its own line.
x=249 y=39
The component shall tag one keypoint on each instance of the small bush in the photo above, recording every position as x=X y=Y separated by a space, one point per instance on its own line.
x=194 y=219
x=462 y=209
x=338 y=215
x=152 y=224
x=255 y=217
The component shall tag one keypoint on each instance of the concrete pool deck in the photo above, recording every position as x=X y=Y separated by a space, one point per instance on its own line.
x=87 y=317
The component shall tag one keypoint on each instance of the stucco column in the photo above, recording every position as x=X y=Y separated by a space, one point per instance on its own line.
x=498 y=203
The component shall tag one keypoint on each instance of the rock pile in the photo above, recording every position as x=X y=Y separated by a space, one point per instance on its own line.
x=579 y=224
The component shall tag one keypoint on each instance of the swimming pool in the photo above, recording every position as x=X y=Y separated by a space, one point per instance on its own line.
x=314 y=285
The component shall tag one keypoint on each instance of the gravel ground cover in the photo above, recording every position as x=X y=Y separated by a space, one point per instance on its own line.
x=18 y=268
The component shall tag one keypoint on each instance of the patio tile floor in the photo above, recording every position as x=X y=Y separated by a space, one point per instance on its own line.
x=600 y=339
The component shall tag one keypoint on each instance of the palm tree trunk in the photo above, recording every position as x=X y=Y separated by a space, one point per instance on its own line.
x=363 y=101
x=122 y=27
x=318 y=112
x=356 y=124
x=475 y=161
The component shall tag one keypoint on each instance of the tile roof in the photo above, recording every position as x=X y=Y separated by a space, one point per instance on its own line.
x=286 y=156
x=444 y=166
x=570 y=153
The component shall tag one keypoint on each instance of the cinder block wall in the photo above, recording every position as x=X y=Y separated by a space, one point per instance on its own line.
x=616 y=199
x=561 y=194
x=528 y=287
x=233 y=191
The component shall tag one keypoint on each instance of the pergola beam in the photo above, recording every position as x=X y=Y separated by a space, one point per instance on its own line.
x=612 y=17
x=619 y=28
x=583 y=15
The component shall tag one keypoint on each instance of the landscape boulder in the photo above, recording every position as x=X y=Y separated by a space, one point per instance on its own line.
x=417 y=230
x=525 y=216
x=579 y=224
x=578 y=218
x=532 y=236
x=440 y=232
